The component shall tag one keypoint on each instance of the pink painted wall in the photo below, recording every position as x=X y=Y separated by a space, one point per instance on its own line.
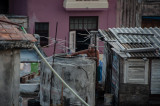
x=52 y=11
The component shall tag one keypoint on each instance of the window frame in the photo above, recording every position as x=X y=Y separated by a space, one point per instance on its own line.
x=83 y=22
x=126 y=71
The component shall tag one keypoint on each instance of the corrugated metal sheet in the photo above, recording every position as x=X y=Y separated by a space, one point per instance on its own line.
x=155 y=77
x=133 y=38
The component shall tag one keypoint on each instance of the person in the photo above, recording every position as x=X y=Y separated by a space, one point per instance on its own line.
x=91 y=52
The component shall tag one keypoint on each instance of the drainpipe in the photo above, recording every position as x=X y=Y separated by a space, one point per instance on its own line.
x=56 y=72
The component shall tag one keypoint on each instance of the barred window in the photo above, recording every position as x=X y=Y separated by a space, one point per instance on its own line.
x=82 y=23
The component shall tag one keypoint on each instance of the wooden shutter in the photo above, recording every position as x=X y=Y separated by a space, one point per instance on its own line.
x=72 y=41
x=136 y=71
x=155 y=77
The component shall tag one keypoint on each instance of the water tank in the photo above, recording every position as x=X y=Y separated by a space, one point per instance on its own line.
x=78 y=73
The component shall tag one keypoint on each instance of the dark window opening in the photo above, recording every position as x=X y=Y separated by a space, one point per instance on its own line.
x=82 y=41
x=42 y=28
x=4 y=6
x=83 y=23
x=152 y=21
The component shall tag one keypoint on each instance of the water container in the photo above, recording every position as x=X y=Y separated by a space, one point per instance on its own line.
x=108 y=98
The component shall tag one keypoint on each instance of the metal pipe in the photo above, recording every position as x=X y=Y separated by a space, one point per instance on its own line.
x=55 y=42
x=23 y=29
x=57 y=73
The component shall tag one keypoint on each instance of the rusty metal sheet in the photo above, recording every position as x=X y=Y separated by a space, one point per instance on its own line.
x=10 y=30
x=17 y=37
x=1 y=26
x=5 y=37
x=7 y=26
x=16 y=30
x=2 y=30
x=30 y=37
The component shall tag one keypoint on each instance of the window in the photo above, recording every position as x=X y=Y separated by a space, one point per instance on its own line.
x=150 y=21
x=82 y=23
x=4 y=6
x=136 y=71
x=42 y=28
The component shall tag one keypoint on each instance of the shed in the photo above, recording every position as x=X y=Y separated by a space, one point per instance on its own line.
x=11 y=41
x=132 y=64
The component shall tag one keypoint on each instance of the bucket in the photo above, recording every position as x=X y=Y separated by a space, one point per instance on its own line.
x=34 y=67
x=108 y=98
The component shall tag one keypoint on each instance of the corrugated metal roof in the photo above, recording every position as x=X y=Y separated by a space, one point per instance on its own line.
x=9 y=34
x=129 y=39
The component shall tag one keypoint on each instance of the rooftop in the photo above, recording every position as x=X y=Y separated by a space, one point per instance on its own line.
x=134 y=42
x=12 y=37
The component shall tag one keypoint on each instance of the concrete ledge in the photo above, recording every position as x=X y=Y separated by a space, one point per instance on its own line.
x=85 y=5
x=29 y=88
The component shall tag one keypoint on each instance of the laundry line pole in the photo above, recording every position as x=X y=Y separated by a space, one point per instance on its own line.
x=37 y=50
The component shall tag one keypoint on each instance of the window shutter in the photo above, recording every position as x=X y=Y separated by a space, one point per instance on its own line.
x=136 y=71
x=72 y=41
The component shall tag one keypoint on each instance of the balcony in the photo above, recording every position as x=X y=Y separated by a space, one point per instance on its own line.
x=75 y=5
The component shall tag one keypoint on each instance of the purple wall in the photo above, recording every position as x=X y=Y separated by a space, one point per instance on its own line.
x=52 y=11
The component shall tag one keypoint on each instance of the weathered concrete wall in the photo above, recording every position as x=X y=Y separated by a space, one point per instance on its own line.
x=9 y=77
x=133 y=94
x=78 y=73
